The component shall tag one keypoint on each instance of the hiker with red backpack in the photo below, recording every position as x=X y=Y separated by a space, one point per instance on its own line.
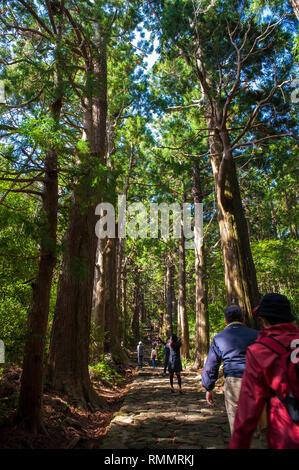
x=271 y=378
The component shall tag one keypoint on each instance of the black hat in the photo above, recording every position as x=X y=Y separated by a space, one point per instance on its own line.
x=275 y=306
x=233 y=313
x=174 y=338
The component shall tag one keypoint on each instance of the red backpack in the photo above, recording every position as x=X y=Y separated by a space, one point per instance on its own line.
x=290 y=388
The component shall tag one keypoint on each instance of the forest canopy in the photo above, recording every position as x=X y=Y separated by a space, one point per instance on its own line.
x=175 y=102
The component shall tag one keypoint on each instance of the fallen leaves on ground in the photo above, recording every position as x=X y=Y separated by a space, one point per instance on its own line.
x=64 y=426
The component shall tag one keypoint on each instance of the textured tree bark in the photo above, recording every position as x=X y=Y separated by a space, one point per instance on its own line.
x=295 y=6
x=239 y=270
x=69 y=347
x=142 y=309
x=100 y=299
x=174 y=303
x=135 y=312
x=124 y=305
x=240 y=275
x=30 y=399
x=119 y=262
x=122 y=262
x=161 y=318
x=292 y=229
x=273 y=212
x=114 y=270
x=112 y=330
x=162 y=321
x=182 y=311
x=169 y=297
x=201 y=283
x=202 y=319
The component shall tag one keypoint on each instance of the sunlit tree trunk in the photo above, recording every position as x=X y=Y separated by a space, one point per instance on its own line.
x=295 y=6
x=169 y=297
x=182 y=311
x=30 y=399
x=201 y=282
x=119 y=261
x=99 y=298
x=292 y=229
x=69 y=347
x=112 y=326
x=124 y=304
x=161 y=318
x=136 y=311
x=240 y=275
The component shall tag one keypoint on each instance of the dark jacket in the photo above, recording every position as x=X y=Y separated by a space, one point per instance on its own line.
x=230 y=347
x=263 y=376
x=175 y=364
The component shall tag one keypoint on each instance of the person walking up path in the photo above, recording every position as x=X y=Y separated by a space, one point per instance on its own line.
x=140 y=353
x=271 y=378
x=175 y=364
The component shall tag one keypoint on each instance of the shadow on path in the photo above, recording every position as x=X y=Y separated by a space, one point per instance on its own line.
x=154 y=418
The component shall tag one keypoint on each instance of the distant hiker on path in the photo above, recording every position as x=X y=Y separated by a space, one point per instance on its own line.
x=175 y=364
x=271 y=376
x=154 y=357
x=229 y=346
x=166 y=353
x=140 y=353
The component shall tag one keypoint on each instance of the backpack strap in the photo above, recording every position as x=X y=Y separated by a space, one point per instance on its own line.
x=278 y=348
x=290 y=399
x=271 y=343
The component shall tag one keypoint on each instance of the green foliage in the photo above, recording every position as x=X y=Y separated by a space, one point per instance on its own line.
x=103 y=371
x=160 y=354
x=216 y=317
x=277 y=268
x=43 y=132
x=83 y=147
x=157 y=118
x=13 y=316
x=187 y=363
x=18 y=252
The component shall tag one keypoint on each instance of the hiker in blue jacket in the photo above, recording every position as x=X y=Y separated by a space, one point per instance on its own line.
x=229 y=346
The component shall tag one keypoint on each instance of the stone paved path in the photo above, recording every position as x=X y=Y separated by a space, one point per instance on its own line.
x=154 y=418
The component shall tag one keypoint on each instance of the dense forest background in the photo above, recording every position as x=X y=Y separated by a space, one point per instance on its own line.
x=161 y=101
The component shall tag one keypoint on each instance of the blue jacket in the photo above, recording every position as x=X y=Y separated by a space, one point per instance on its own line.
x=230 y=347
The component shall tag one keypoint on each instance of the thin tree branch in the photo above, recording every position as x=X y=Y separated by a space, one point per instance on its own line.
x=22 y=105
x=35 y=15
x=25 y=30
x=254 y=142
x=51 y=16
